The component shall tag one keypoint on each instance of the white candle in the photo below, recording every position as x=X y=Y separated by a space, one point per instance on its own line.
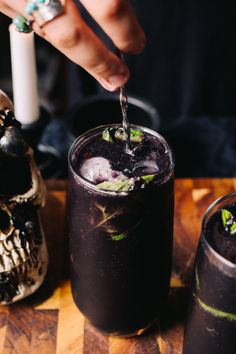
x=24 y=77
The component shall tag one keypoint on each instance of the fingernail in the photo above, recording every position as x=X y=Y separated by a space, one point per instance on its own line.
x=114 y=82
x=117 y=80
x=107 y=85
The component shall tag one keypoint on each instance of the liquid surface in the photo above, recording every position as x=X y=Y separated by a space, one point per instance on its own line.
x=222 y=236
x=106 y=159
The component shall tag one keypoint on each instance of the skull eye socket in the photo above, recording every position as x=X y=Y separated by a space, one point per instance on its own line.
x=5 y=222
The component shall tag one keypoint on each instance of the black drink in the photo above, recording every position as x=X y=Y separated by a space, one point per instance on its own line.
x=211 y=321
x=120 y=228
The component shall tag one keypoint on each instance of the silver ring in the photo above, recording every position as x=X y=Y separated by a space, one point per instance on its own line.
x=44 y=11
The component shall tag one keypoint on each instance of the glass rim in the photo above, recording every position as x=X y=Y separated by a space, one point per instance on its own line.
x=86 y=134
x=228 y=266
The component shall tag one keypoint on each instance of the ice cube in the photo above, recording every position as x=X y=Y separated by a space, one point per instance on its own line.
x=148 y=165
x=98 y=169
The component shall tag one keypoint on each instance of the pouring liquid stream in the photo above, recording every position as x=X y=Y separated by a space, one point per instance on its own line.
x=125 y=121
x=124 y=110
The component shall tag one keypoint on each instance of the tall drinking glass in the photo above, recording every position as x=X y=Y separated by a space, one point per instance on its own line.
x=120 y=241
x=211 y=322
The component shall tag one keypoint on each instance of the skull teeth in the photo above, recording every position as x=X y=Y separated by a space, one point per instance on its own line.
x=15 y=257
x=8 y=245
x=16 y=264
x=14 y=253
x=17 y=241
x=27 y=247
x=8 y=263
x=22 y=255
x=2 y=249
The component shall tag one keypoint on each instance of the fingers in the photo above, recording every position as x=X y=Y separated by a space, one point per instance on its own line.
x=12 y=8
x=72 y=36
x=7 y=11
x=117 y=19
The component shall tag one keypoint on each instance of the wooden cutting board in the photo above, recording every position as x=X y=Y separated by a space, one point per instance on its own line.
x=48 y=322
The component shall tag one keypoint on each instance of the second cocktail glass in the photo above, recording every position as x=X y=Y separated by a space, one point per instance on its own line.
x=211 y=322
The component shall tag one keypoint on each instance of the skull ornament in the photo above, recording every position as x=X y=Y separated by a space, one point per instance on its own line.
x=23 y=252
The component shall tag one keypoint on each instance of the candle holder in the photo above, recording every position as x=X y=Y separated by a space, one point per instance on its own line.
x=40 y=136
x=23 y=251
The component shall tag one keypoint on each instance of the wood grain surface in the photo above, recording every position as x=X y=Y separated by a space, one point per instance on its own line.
x=48 y=322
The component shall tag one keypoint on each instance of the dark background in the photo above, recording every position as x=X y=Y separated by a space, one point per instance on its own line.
x=187 y=71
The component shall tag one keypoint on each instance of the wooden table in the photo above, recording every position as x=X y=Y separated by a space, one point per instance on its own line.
x=48 y=322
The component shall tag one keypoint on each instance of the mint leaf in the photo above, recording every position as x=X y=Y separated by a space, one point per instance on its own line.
x=229 y=222
x=119 y=134
x=148 y=178
x=226 y=217
x=216 y=312
x=136 y=136
x=119 y=237
x=107 y=136
x=120 y=185
x=232 y=228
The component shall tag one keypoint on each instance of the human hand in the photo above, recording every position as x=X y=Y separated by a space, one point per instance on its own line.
x=73 y=37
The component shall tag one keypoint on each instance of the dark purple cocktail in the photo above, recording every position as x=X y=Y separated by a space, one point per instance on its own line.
x=211 y=322
x=120 y=227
